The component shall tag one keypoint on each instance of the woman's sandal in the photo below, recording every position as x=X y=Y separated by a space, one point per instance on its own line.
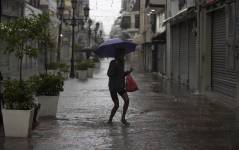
x=125 y=122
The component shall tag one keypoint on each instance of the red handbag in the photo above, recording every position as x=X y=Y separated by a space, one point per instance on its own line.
x=131 y=85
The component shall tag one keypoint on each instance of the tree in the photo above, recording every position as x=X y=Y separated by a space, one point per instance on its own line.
x=44 y=36
x=19 y=36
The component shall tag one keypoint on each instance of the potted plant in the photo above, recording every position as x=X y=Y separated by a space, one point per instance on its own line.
x=97 y=62
x=64 y=70
x=18 y=108
x=82 y=70
x=90 y=70
x=48 y=88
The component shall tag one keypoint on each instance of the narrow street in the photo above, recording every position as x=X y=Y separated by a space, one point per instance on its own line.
x=162 y=117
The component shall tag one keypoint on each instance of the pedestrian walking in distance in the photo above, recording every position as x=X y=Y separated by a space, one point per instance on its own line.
x=116 y=84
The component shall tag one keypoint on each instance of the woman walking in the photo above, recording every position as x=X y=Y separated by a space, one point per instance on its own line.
x=117 y=75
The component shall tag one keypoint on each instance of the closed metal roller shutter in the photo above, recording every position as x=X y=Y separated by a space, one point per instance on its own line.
x=184 y=53
x=175 y=52
x=223 y=78
x=161 y=58
x=192 y=57
x=155 y=57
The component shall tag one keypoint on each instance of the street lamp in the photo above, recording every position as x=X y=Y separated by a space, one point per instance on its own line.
x=97 y=25
x=86 y=11
x=60 y=13
x=101 y=33
x=89 y=31
x=74 y=23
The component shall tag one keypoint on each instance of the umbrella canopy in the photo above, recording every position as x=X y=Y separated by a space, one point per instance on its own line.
x=108 y=48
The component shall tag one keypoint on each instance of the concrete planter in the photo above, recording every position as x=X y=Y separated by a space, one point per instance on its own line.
x=82 y=74
x=48 y=105
x=17 y=123
x=90 y=72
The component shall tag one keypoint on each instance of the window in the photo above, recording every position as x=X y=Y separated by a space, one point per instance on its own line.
x=126 y=22
x=137 y=21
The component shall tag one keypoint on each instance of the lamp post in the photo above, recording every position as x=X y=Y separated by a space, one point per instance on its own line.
x=101 y=33
x=89 y=31
x=97 y=25
x=60 y=10
x=74 y=23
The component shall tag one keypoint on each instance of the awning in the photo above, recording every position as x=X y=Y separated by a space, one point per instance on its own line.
x=29 y=11
x=182 y=12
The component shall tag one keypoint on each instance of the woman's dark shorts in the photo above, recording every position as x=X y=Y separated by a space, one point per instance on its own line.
x=113 y=93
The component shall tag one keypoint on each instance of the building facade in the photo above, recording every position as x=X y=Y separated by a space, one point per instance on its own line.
x=12 y=9
x=152 y=36
x=202 y=46
x=130 y=18
x=219 y=47
x=181 y=20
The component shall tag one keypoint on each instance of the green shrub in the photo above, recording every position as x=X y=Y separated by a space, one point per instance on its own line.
x=82 y=66
x=63 y=67
x=18 y=95
x=90 y=63
x=47 y=85
x=52 y=66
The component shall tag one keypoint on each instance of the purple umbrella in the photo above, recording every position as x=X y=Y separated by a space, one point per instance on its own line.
x=107 y=49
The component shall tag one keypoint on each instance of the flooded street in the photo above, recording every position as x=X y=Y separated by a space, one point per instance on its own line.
x=161 y=116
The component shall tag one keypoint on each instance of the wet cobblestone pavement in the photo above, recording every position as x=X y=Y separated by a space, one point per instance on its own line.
x=162 y=117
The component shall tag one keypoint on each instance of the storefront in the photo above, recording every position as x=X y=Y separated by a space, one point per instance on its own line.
x=223 y=70
x=183 y=55
x=159 y=53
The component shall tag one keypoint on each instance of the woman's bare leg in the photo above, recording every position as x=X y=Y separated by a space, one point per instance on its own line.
x=114 y=109
x=125 y=107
